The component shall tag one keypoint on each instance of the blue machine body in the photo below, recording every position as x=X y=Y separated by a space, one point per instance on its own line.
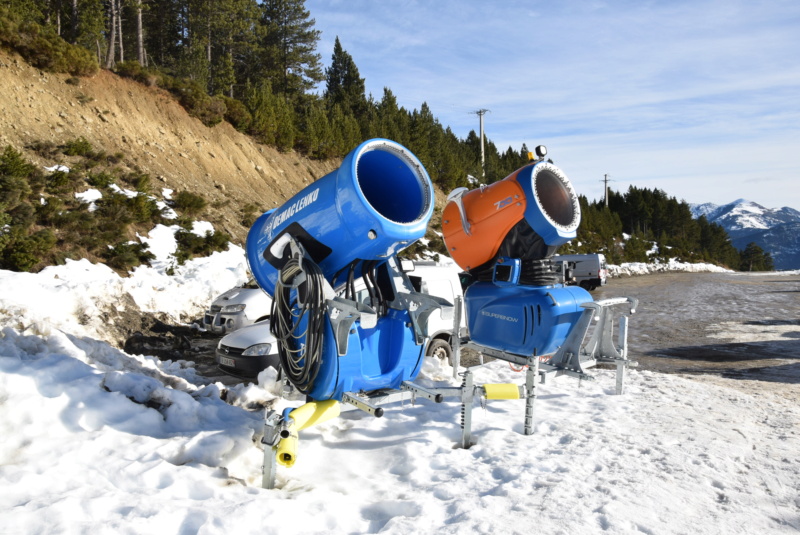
x=377 y=203
x=355 y=218
x=524 y=320
x=381 y=357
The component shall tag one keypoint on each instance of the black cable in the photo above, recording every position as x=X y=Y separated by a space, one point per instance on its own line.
x=298 y=322
x=378 y=302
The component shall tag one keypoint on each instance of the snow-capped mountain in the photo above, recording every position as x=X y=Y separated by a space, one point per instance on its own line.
x=776 y=230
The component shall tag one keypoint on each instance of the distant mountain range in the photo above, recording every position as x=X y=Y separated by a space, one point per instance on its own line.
x=777 y=230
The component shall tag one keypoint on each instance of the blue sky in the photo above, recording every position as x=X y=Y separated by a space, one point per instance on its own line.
x=698 y=98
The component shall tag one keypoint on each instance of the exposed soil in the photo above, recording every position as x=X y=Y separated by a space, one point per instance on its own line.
x=155 y=134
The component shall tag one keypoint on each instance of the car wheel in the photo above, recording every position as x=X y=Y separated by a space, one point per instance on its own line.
x=441 y=350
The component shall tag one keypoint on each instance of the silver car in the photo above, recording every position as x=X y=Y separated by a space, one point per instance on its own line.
x=237 y=308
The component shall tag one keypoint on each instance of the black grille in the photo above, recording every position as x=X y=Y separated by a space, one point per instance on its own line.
x=230 y=351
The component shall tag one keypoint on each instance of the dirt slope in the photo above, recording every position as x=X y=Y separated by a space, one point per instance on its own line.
x=156 y=135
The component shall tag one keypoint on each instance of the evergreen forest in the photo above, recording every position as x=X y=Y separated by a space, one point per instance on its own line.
x=256 y=65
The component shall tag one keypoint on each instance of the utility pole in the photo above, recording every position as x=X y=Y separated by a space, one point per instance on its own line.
x=605 y=182
x=481 y=112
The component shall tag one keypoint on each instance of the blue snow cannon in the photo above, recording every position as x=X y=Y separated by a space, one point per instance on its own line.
x=345 y=315
x=505 y=235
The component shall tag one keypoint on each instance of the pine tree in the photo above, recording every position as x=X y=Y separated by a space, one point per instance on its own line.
x=318 y=141
x=343 y=85
x=231 y=42
x=288 y=43
x=754 y=258
x=393 y=121
x=272 y=118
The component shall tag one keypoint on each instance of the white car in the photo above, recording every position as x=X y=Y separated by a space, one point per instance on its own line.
x=237 y=308
x=248 y=351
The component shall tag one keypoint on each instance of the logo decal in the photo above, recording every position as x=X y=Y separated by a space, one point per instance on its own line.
x=505 y=202
x=499 y=316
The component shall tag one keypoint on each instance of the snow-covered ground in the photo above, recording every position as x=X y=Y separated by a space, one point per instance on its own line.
x=97 y=440
x=672 y=265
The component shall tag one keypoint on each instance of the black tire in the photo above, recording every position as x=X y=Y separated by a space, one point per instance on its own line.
x=440 y=349
x=586 y=285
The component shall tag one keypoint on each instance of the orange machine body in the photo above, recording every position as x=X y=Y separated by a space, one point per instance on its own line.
x=491 y=212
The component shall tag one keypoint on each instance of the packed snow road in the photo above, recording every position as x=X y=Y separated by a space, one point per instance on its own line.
x=738 y=325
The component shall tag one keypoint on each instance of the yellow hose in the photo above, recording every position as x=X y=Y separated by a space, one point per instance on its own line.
x=286 y=452
x=314 y=413
x=303 y=417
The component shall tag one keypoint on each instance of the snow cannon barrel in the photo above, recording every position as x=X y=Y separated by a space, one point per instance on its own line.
x=527 y=215
x=375 y=204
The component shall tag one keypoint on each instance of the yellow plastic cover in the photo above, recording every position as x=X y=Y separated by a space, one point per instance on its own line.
x=501 y=391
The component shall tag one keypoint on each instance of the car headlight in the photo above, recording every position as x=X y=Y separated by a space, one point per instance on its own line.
x=257 y=349
x=233 y=308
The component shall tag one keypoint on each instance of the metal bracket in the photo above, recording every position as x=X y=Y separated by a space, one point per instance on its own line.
x=573 y=356
x=420 y=307
x=456 y=196
x=342 y=313
x=360 y=403
x=421 y=391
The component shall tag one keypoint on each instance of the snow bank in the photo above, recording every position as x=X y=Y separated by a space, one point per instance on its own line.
x=74 y=297
x=640 y=268
x=83 y=450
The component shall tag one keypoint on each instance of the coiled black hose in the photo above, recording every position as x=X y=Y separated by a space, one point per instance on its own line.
x=298 y=316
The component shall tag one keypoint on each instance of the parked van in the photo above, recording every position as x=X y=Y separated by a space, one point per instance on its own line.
x=587 y=270
x=249 y=350
x=237 y=308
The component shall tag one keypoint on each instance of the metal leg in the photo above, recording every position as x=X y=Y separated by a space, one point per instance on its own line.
x=623 y=336
x=270 y=469
x=272 y=430
x=530 y=396
x=622 y=366
x=456 y=345
x=467 y=401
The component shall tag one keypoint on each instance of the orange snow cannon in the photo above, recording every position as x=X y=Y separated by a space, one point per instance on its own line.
x=526 y=215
